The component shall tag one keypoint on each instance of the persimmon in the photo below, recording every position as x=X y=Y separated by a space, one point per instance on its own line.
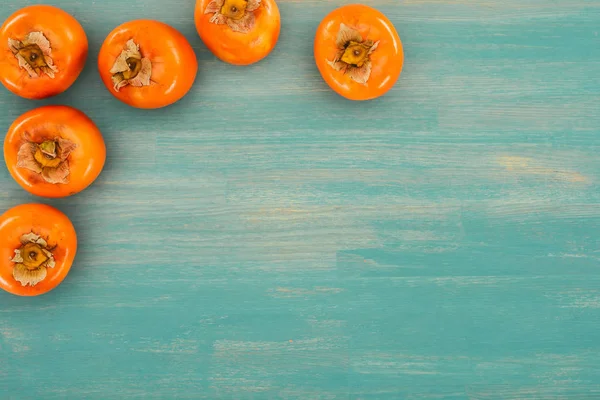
x=44 y=51
x=239 y=32
x=358 y=52
x=147 y=64
x=54 y=151
x=38 y=244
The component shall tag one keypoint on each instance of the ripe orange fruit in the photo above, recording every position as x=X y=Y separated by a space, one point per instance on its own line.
x=54 y=151
x=239 y=32
x=38 y=244
x=147 y=64
x=44 y=51
x=358 y=52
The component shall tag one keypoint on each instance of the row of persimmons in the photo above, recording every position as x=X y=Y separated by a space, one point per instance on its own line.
x=58 y=151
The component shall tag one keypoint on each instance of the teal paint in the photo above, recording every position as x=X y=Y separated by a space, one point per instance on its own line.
x=264 y=238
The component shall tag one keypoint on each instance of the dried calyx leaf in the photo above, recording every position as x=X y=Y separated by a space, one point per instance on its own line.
x=130 y=68
x=34 y=55
x=237 y=14
x=353 y=56
x=33 y=238
x=347 y=35
x=26 y=276
x=49 y=159
x=32 y=260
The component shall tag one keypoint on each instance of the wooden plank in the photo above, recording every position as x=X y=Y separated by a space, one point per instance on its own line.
x=265 y=238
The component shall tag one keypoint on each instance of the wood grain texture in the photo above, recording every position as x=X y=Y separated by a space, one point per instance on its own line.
x=267 y=239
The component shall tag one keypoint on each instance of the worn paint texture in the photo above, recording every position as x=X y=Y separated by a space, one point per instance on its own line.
x=266 y=239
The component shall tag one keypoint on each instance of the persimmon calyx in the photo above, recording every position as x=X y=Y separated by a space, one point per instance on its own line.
x=32 y=259
x=237 y=14
x=34 y=55
x=48 y=159
x=130 y=68
x=354 y=54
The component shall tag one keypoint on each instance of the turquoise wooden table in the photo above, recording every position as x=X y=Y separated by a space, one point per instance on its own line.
x=266 y=239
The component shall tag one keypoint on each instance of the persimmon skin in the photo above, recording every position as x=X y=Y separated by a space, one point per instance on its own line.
x=69 y=45
x=240 y=48
x=48 y=222
x=86 y=162
x=387 y=60
x=174 y=63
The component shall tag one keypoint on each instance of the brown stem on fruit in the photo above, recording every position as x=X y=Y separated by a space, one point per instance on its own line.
x=353 y=56
x=34 y=55
x=32 y=259
x=130 y=68
x=48 y=159
x=237 y=14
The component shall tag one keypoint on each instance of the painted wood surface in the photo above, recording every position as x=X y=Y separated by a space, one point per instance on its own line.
x=267 y=239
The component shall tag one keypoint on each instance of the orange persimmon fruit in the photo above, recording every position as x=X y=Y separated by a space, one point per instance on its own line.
x=239 y=32
x=147 y=64
x=358 y=52
x=54 y=151
x=38 y=244
x=44 y=50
